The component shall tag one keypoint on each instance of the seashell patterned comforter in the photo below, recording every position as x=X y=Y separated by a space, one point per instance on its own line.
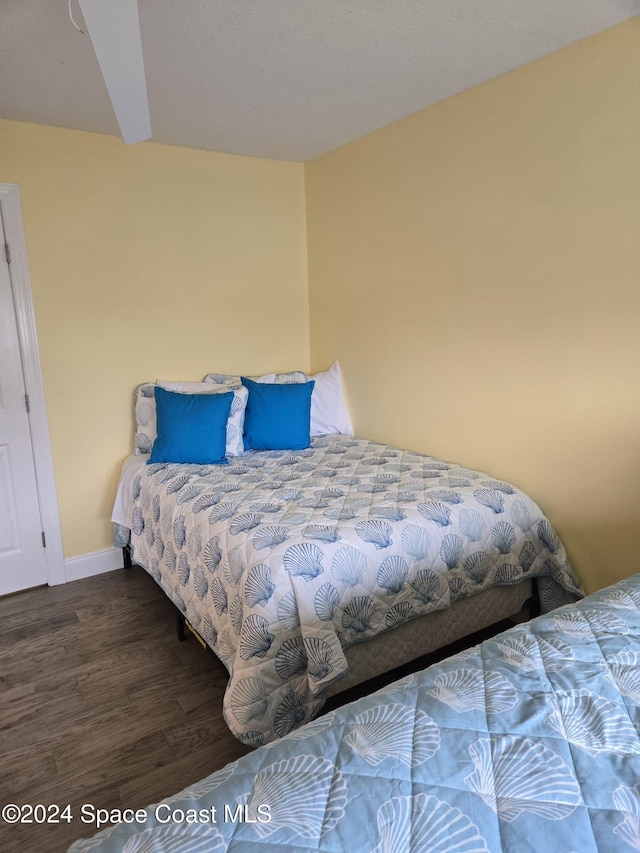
x=280 y=560
x=529 y=741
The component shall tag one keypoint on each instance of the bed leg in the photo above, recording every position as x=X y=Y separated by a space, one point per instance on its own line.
x=126 y=553
x=534 y=604
x=180 y=626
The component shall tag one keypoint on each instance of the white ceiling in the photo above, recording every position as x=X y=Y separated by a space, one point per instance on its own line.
x=285 y=79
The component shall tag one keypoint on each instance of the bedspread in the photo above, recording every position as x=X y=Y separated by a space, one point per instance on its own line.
x=527 y=742
x=281 y=560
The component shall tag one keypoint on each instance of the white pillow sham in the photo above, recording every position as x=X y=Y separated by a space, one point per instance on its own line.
x=145 y=412
x=294 y=376
x=329 y=413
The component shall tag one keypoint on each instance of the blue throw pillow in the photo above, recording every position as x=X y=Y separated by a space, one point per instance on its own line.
x=191 y=428
x=278 y=417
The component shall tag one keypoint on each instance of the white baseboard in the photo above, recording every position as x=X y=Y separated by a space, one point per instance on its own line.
x=96 y=563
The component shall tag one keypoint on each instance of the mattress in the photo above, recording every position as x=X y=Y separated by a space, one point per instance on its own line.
x=282 y=560
x=527 y=742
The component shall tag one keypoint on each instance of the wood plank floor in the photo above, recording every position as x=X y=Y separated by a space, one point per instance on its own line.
x=100 y=703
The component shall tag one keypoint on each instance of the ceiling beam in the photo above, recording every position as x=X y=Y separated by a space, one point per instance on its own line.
x=114 y=29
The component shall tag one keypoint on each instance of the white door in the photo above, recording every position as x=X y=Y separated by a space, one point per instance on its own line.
x=22 y=559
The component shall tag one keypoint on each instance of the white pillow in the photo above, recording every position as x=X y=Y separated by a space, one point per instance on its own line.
x=186 y=387
x=294 y=376
x=329 y=413
x=146 y=412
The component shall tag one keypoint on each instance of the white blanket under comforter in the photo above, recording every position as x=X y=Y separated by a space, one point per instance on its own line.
x=280 y=560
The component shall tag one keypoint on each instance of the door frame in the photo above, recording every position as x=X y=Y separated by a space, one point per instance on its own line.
x=40 y=441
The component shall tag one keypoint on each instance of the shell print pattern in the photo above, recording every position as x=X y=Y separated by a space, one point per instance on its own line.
x=593 y=723
x=319 y=656
x=177 y=484
x=437 y=512
x=394 y=732
x=307 y=795
x=291 y=658
x=236 y=612
x=249 y=700
x=555 y=653
x=426 y=587
x=206 y=501
x=451 y=550
x=503 y=537
x=521 y=516
x=491 y=499
x=548 y=536
x=357 y=616
x=392 y=574
x=235 y=566
x=458 y=588
x=387 y=536
x=184 y=570
x=270 y=507
x=472 y=524
x=379 y=533
x=529 y=653
x=518 y=775
x=520 y=650
x=137 y=523
x=446 y=495
x=624 y=671
x=392 y=513
x=477 y=567
x=223 y=511
x=325 y=601
x=170 y=557
x=321 y=532
x=465 y=690
x=255 y=640
x=304 y=560
x=398 y=614
x=627 y=802
x=209 y=633
x=258 y=587
x=416 y=541
x=526 y=556
x=219 y=596
x=348 y=566
x=189 y=493
x=290 y=714
x=212 y=554
x=287 y=610
x=425 y=823
x=499 y=486
x=179 y=531
x=573 y=624
x=245 y=521
x=200 y=583
x=269 y=537
x=194 y=543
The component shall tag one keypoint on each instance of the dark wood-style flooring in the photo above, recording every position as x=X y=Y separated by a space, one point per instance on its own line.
x=100 y=703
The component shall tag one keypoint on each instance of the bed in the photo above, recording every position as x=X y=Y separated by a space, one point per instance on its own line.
x=529 y=741
x=309 y=570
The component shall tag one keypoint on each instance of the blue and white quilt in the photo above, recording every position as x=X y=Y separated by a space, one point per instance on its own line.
x=528 y=742
x=280 y=560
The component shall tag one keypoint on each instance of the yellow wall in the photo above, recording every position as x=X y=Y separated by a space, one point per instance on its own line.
x=476 y=268
x=148 y=262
